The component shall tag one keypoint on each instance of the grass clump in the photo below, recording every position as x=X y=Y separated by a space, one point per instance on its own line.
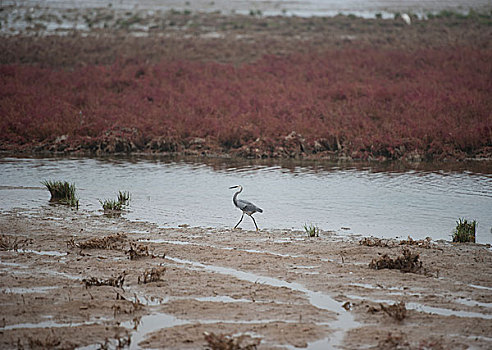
x=62 y=192
x=407 y=262
x=311 y=230
x=111 y=205
x=464 y=231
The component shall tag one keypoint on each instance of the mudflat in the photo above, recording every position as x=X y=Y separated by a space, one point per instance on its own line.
x=73 y=279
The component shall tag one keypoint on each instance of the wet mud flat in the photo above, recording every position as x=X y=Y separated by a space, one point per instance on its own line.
x=76 y=279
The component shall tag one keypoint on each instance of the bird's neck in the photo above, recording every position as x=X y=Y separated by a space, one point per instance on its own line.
x=234 y=199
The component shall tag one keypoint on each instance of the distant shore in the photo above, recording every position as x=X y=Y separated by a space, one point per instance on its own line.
x=205 y=84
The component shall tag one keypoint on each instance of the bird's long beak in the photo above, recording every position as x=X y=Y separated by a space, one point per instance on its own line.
x=233 y=187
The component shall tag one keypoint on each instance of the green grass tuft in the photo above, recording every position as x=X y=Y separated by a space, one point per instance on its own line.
x=464 y=231
x=62 y=192
x=111 y=205
x=311 y=230
x=124 y=197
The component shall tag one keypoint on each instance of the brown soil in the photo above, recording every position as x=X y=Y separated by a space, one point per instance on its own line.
x=279 y=288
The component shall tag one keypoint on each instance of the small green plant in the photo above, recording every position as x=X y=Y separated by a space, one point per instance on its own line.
x=124 y=197
x=311 y=230
x=464 y=231
x=62 y=192
x=111 y=205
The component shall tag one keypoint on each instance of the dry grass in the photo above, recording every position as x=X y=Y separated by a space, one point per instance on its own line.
x=397 y=311
x=152 y=275
x=138 y=251
x=108 y=242
x=227 y=342
x=11 y=243
x=422 y=243
x=116 y=281
x=376 y=242
x=407 y=262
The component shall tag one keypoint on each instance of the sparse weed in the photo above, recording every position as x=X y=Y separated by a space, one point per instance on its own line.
x=124 y=197
x=151 y=275
x=311 y=230
x=62 y=192
x=111 y=205
x=464 y=231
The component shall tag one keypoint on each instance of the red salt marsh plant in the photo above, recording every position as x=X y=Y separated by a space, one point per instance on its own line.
x=365 y=103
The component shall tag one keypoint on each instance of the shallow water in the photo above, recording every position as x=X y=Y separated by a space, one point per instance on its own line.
x=385 y=201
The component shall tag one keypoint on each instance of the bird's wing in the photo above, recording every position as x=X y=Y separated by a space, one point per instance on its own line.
x=247 y=206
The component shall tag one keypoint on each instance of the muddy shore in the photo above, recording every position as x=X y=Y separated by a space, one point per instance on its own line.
x=75 y=279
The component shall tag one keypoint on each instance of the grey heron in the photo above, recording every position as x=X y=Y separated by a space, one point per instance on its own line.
x=246 y=207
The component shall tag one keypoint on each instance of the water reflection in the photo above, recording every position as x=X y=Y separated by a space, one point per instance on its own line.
x=383 y=199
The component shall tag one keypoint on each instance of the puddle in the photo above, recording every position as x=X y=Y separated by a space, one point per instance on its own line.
x=45 y=252
x=51 y=324
x=149 y=324
x=470 y=302
x=160 y=240
x=222 y=299
x=479 y=287
x=22 y=290
x=429 y=309
x=344 y=322
x=152 y=323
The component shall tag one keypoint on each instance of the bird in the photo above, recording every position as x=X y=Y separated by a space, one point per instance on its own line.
x=406 y=18
x=246 y=207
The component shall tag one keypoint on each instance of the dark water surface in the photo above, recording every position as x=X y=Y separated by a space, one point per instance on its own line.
x=380 y=200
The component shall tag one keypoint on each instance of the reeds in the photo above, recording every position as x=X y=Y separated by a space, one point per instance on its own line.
x=62 y=192
x=464 y=231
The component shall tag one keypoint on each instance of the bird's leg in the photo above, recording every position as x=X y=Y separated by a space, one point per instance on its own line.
x=251 y=216
x=240 y=220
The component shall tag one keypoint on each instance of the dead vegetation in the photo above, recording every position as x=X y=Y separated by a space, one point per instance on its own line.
x=397 y=311
x=151 y=275
x=115 y=281
x=407 y=262
x=48 y=342
x=108 y=242
x=388 y=243
x=227 y=342
x=376 y=242
x=422 y=243
x=393 y=341
x=138 y=251
x=12 y=243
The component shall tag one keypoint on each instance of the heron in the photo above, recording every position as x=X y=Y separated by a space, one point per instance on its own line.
x=246 y=207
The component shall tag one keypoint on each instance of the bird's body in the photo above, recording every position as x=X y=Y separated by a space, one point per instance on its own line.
x=246 y=207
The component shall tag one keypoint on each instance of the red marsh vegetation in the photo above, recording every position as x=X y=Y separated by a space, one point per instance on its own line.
x=335 y=101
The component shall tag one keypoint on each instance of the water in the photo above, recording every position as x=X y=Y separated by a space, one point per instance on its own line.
x=388 y=202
